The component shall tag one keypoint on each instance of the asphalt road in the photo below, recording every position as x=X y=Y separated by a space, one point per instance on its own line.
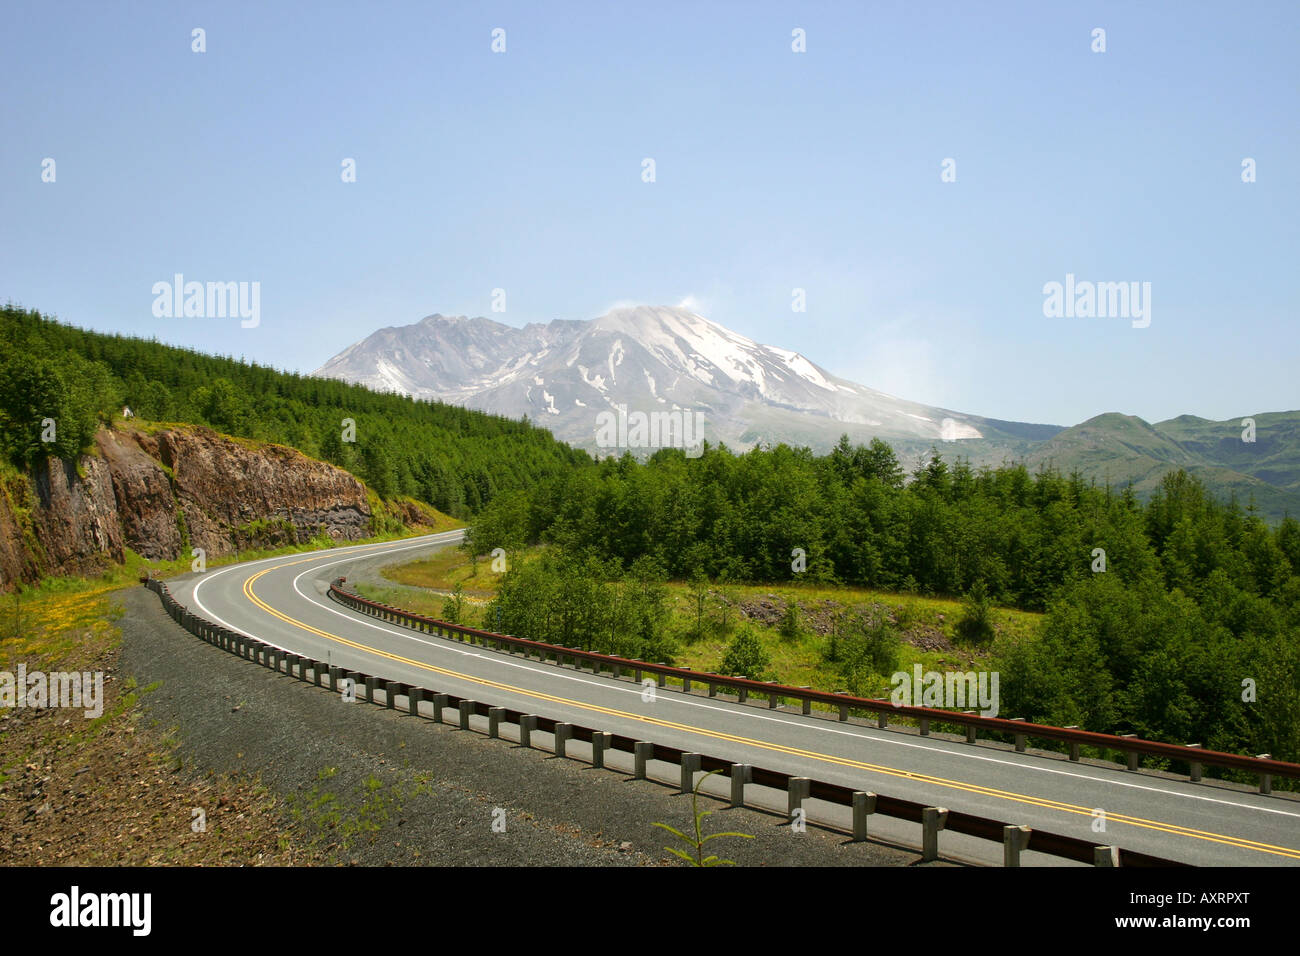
x=283 y=601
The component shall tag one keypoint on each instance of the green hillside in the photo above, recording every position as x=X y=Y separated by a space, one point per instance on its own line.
x=452 y=458
x=1273 y=457
x=1122 y=450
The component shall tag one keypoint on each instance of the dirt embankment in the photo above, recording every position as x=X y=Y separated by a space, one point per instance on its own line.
x=164 y=493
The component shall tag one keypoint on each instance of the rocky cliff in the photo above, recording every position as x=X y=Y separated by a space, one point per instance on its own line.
x=160 y=494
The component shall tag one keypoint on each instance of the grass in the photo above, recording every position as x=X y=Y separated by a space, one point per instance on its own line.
x=51 y=624
x=926 y=624
x=443 y=570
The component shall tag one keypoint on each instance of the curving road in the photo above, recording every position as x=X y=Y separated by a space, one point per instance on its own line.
x=283 y=601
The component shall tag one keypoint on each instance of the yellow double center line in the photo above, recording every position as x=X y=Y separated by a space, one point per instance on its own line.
x=762 y=744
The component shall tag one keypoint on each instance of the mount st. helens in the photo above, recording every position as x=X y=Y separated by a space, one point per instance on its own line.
x=564 y=373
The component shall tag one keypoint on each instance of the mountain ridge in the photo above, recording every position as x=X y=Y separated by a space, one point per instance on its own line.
x=564 y=373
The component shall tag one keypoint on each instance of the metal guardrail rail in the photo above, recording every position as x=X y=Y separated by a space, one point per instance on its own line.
x=1196 y=758
x=1015 y=839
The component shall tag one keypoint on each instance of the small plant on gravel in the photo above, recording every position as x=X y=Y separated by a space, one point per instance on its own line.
x=697 y=844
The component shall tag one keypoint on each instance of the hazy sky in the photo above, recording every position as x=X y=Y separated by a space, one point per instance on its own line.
x=774 y=170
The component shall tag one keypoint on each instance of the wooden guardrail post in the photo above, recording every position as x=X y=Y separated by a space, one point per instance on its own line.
x=1265 y=779
x=1074 y=744
x=686 y=683
x=494 y=720
x=1014 y=840
x=864 y=804
x=806 y=704
x=599 y=744
x=933 y=819
x=1020 y=738
x=413 y=697
x=1132 y=755
x=562 y=733
x=690 y=766
x=741 y=774
x=1105 y=856
x=466 y=707
x=971 y=729
x=439 y=702
x=796 y=792
x=641 y=752
x=527 y=724
x=1195 y=767
x=660 y=677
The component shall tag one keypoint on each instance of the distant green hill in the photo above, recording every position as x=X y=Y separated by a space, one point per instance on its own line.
x=1123 y=449
x=1274 y=456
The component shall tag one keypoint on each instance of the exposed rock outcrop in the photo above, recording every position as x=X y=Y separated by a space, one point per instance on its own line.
x=160 y=494
x=76 y=515
x=146 y=506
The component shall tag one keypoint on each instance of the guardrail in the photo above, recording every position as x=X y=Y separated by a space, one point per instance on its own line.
x=1019 y=730
x=1015 y=839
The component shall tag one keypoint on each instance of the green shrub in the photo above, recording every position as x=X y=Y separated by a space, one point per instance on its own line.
x=745 y=656
x=976 y=623
x=453 y=608
x=868 y=649
x=790 y=627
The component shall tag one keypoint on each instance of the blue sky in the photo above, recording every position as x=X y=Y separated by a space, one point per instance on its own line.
x=775 y=170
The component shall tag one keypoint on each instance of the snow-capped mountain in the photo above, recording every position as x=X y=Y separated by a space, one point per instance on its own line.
x=563 y=375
